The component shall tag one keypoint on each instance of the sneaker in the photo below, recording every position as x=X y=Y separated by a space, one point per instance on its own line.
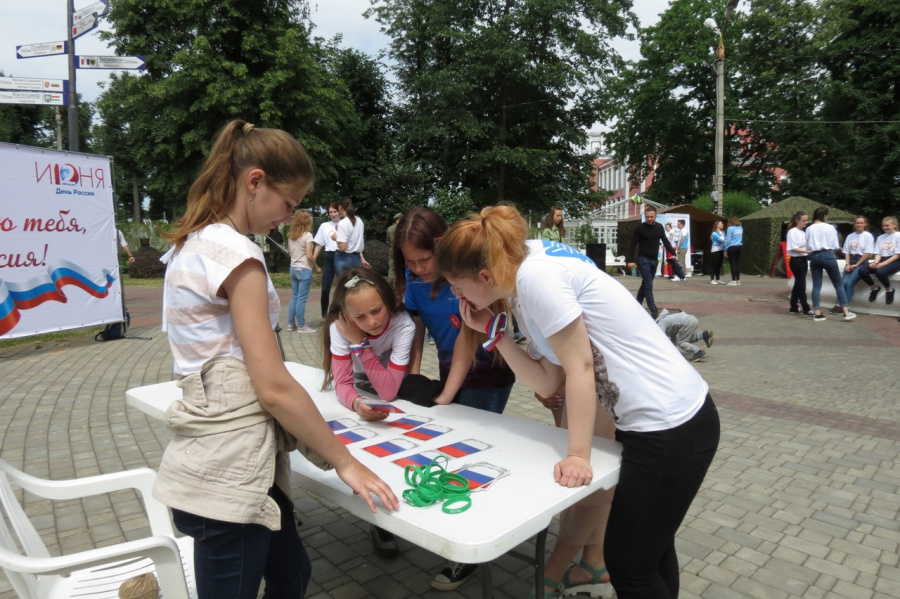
x=873 y=293
x=675 y=279
x=849 y=316
x=733 y=283
x=794 y=311
x=889 y=297
x=384 y=543
x=713 y=282
x=707 y=337
x=818 y=317
x=837 y=309
x=519 y=337
x=453 y=576
x=698 y=356
x=430 y=340
x=291 y=328
x=305 y=329
x=654 y=313
x=810 y=313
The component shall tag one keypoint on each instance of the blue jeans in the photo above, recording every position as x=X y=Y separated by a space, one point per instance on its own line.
x=825 y=261
x=327 y=281
x=660 y=475
x=647 y=266
x=491 y=400
x=301 y=281
x=850 y=278
x=343 y=261
x=883 y=273
x=231 y=560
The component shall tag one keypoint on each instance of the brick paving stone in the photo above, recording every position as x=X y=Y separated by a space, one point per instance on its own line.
x=802 y=499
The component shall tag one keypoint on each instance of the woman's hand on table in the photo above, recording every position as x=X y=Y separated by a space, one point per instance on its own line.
x=574 y=471
x=366 y=483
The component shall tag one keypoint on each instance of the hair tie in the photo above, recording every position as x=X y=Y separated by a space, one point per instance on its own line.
x=354 y=280
x=247 y=128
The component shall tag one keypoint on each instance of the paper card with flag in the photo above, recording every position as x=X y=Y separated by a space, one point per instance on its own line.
x=409 y=422
x=464 y=448
x=481 y=475
x=355 y=435
x=427 y=432
x=381 y=406
x=386 y=448
x=418 y=459
x=341 y=424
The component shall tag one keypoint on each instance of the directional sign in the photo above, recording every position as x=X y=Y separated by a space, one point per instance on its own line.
x=45 y=49
x=88 y=23
x=111 y=62
x=34 y=98
x=38 y=85
x=100 y=9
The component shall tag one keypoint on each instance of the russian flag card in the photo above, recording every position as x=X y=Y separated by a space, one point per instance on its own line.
x=464 y=448
x=386 y=448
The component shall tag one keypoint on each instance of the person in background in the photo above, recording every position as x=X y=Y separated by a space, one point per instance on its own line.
x=717 y=252
x=586 y=333
x=480 y=382
x=822 y=242
x=681 y=329
x=300 y=247
x=796 y=249
x=683 y=246
x=553 y=228
x=326 y=239
x=675 y=260
x=228 y=479
x=734 y=240
x=647 y=237
x=350 y=239
x=124 y=245
x=858 y=248
x=887 y=258
x=390 y=243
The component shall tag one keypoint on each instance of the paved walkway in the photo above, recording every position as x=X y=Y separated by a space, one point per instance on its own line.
x=802 y=499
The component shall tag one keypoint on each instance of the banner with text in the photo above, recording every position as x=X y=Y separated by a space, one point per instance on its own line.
x=59 y=267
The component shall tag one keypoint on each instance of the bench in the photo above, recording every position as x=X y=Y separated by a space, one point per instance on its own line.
x=860 y=303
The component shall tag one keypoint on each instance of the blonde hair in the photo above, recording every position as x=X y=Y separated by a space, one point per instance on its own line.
x=493 y=240
x=890 y=219
x=300 y=224
x=239 y=147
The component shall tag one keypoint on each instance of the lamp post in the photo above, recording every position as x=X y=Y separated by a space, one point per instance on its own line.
x=720 y=117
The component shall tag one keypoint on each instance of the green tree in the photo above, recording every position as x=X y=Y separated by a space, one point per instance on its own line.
x=496 y=96
x=210 y=63
x=734 y=203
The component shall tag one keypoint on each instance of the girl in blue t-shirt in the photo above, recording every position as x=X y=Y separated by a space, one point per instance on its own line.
x=484 y=383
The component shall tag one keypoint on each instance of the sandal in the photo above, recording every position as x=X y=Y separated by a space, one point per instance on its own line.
x=593 y=587
x=550 y=594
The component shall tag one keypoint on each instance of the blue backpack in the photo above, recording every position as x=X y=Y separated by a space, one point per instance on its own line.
x=115 y=330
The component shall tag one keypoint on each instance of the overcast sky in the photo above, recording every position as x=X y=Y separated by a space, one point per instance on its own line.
x=24 y=22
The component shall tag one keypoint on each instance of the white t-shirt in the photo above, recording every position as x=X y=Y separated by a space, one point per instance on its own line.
x=642 y=379
x=323 y=236
x=122 y=242
x=822 y=236
x=392 y=346
x=888 y=244
x=858 y=244
x=796 y=239
x=198 y=322
x=297 y=249
x=351 y=235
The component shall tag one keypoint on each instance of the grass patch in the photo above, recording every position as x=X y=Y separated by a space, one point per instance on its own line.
x=58 y=337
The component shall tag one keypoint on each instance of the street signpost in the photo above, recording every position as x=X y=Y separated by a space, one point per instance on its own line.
x=33 y=98
x=21 y=84
x=111 y=62
x=100 y=9
x=44 y=49
x=88 y=23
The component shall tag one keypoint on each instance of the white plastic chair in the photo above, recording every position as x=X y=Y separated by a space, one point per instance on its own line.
x=95 y=573
x=616 y=262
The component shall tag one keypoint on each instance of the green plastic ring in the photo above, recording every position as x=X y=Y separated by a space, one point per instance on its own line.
x=464 y=500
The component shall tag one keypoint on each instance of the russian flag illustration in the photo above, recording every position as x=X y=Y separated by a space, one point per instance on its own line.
x=417 y=459
x=426 y=433
x=408 y=422
x=350 y=437
x=476 y=479
x=463 y=448
x=385 y=449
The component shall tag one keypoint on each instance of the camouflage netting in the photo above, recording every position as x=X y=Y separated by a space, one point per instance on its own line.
x=765 y=229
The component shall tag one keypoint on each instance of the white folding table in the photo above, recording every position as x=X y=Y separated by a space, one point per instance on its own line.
x=513 y=508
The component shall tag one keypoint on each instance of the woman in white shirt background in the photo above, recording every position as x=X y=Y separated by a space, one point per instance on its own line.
x=326 y=238
x=796 y=249
x=350 y=239
x=822 y=242
x=858 y=248
x=887 y=258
